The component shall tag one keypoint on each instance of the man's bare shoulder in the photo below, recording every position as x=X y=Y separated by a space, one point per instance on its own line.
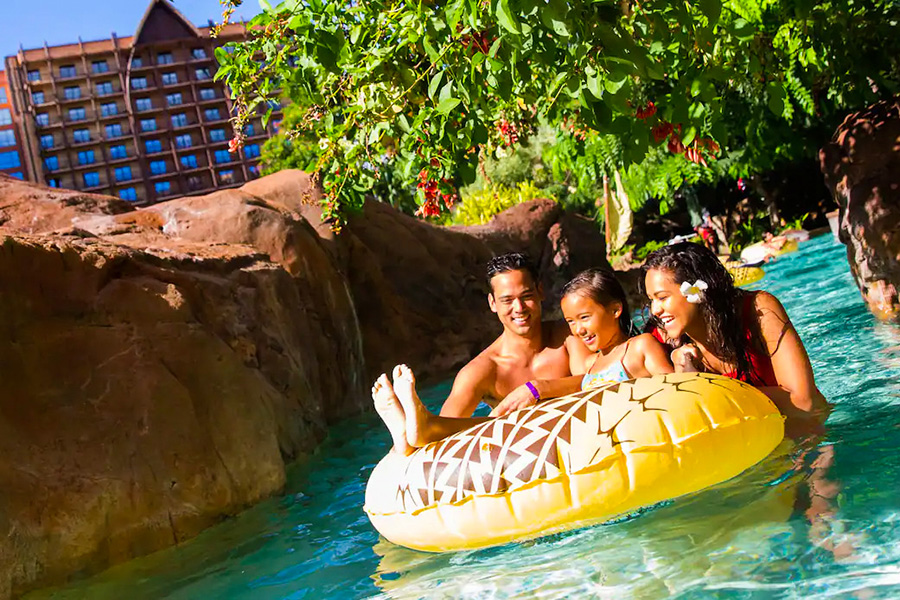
x=483 y=366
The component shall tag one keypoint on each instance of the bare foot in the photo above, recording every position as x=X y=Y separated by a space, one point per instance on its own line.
x=417 y=416
x=390 y=411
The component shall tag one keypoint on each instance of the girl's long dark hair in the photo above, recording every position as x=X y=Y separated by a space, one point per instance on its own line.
x=721 y=300
x=601 y=286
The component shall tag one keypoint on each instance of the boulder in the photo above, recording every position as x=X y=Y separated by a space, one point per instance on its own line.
x=161 y=366
x=862 y=169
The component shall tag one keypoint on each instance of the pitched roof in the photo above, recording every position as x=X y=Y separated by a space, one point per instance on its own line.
x=162 y=22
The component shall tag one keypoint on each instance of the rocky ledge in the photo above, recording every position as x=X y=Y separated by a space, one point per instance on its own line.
x=862 y=170
x=161 y=366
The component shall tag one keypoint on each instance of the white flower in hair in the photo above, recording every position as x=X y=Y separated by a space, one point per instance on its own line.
x=694 y=291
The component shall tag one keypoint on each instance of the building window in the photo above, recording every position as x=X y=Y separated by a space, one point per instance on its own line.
x=207 y=94
x=47 y=141
x=51 y=163
x=198 y=53
x=109 y=109
x=162 y=187
x=86 y=157
x=211 y=114
x=81 y=136
x=179 y=120
x=248 y=130
x=77 y=114
x=217 y=135
x=173 y=99
x=99 y=66
x=153 y=146
x=170 y=78
x=123 y=173
x=138 y=83
x=148 y=124
x=189 y=161
x=164 y=58
x=67 y=71
x=113 y=131
x=253 y=170
x=142 y=104
x=91 y=179
x=157 y=167
x=222 y=156
x=251 y=150
x=53 y=182
x=17 y=175
x=105 y=88
x=137 y=62
x=42 y=119
x=128 y=194
x=9 y=160
x=5 y=116
x=226 y=176
x=34 y=75
x=195 y=182
x=202 y=74
x=72 y=93
x=3 y=97
x=37 y=97
x=8 y=138
x=274 y=104
x=118 y=152
x=183 y=141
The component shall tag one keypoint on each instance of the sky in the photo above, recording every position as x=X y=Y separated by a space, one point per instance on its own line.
x=31 y=22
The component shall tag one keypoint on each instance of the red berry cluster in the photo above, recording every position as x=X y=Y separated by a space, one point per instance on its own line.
x=509 y=132
x=476 y=42
x=579 y=133
x=663 y=130
x=236 y=143
x=645 y=112
x=433 y=191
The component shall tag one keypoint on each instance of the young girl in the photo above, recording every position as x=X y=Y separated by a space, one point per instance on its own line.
x=713 y=326
x=602 y=351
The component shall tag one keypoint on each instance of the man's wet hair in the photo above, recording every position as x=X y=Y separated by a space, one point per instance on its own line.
x=512 y=261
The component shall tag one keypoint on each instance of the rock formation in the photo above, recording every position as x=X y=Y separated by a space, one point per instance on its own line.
x=161 y=366
x=862 y=170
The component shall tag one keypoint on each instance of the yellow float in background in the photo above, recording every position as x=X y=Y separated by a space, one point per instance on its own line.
x=758 y=252
x=572 y=462
x=743 y=275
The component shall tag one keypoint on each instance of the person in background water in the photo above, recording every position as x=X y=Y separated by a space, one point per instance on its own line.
x=714 y=327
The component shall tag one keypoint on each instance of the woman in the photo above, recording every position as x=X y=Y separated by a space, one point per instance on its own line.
x=596 y=310
x=715 y=327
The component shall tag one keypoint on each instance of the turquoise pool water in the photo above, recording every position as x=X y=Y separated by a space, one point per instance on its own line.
x=818 y=519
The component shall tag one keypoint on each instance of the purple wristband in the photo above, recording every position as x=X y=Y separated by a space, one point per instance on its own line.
x=534 y=391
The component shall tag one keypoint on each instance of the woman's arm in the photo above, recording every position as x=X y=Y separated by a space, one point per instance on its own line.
x=796 y=394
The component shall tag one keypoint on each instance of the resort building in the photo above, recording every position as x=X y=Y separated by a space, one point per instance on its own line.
x=137 y=117
x=10 y=153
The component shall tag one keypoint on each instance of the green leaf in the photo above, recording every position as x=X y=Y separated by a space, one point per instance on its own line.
x=711 y=9
x=429 y=50
x=435 y=82
x=689 y=134
x=446 y=91
x=776 y=98
x=505 y=17
x=447 y=105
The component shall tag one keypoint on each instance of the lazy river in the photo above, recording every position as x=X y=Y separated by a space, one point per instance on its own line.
x=820 y=518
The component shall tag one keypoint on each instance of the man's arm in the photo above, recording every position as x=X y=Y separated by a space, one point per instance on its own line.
x=469 y=387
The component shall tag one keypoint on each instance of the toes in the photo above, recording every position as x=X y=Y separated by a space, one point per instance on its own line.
x=398 y=371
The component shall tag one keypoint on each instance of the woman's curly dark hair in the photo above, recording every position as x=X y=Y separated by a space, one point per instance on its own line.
x=601 y=286
x=721 y=300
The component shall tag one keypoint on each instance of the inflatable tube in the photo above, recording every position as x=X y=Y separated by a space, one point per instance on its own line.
x=572 y=461
x=744 y=274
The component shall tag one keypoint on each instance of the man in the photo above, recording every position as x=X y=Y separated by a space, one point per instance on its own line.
x=527 y=349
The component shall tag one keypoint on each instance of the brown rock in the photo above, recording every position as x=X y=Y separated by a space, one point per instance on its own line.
x=862 y=170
